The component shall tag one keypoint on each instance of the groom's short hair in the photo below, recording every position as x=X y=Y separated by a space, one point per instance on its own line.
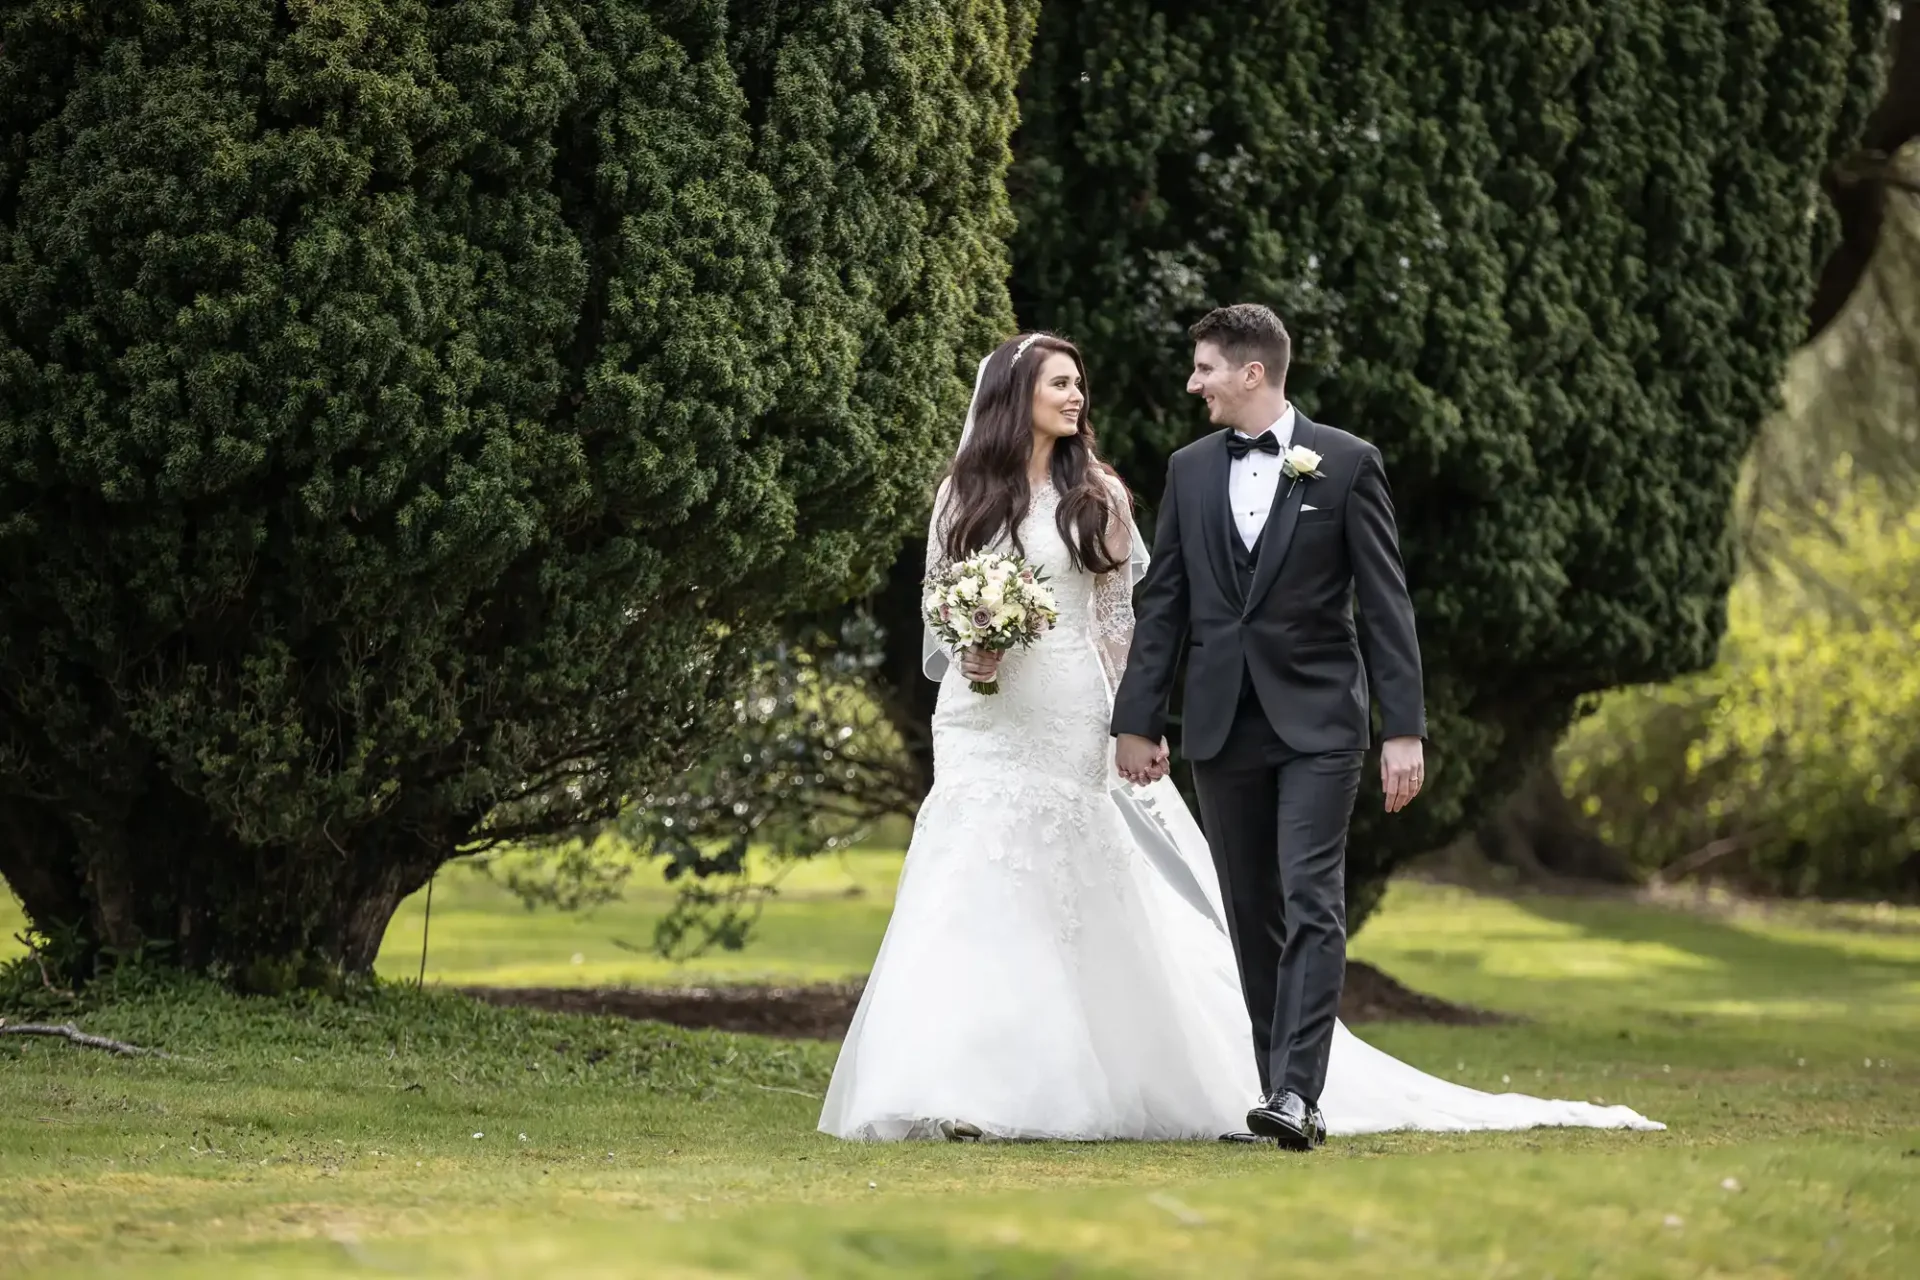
x=1245 y=332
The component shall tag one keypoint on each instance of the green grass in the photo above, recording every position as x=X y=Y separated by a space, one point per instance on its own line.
x=310 y=1137
x=824 y=926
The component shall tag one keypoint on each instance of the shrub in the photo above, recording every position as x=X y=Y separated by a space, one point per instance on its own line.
x=412 y=415
x=1550 y=258
x=1791 y=765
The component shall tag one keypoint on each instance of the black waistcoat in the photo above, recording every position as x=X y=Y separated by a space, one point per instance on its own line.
x=1244 y=560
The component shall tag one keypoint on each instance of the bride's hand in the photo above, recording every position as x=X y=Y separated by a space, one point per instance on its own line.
x=980 y=665
x=1138 y=760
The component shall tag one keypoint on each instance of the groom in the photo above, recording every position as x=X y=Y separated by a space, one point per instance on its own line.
x=1268 y=532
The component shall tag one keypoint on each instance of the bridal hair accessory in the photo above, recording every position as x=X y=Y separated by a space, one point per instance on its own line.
x=1021 y=350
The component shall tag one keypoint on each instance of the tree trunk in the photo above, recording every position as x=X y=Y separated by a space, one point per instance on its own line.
x=1540 y=834
x=1858 y=185
x=908 y=695
x=165 y=882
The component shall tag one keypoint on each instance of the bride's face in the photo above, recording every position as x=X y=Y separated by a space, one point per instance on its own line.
x=1058 y=397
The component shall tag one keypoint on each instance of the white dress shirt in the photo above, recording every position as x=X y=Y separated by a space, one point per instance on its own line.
x=1254 y=481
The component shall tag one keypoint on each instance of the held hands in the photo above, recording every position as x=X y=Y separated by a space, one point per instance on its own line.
x=1403 y=768
x=1140 y=760
x=982 y=666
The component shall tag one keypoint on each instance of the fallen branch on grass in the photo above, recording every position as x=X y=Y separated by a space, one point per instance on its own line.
x=1702 y=858
x=74 y=1035
x=798 y=1093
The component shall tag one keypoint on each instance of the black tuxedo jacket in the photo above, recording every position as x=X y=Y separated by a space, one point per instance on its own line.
x=1292 y=628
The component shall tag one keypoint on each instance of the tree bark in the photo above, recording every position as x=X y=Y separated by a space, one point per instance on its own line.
x=165 y=880
x=39 y=859
x=1857 y=185
x=909 y=696
x=1540 y=834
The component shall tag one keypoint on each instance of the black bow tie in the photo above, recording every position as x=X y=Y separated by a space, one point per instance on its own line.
x=1239 y=446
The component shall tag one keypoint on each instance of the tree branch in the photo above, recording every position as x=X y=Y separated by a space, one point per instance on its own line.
x=1860 y=199
x=46 y=979
x=1879 y=169
x=74 y=1035
x=1702 y=858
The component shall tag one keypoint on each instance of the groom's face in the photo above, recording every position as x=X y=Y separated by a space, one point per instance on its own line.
x=1224 y=385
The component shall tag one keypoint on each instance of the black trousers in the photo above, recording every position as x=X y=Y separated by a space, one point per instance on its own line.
x=1276 y=820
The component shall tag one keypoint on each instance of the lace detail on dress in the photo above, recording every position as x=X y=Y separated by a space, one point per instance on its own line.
x=1113 y=595
x=1042 y=977
x=1036 y=756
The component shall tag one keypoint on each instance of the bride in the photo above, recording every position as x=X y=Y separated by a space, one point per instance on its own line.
x=1057 y=965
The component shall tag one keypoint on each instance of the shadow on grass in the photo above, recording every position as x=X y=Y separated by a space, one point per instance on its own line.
x=1715 y=988
x=1746 y=959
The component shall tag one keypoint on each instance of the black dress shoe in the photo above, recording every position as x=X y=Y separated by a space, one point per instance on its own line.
x=1289 y=1120
x=1247 y=1139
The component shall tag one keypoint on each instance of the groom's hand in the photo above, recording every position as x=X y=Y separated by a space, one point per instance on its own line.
x=1140 y=760
x=1162 y=762
x=1403 y=768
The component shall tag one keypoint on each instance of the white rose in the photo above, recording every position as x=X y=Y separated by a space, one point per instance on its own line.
x=1302 y=460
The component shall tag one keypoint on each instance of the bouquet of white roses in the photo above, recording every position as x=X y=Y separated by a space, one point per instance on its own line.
x=990 y=600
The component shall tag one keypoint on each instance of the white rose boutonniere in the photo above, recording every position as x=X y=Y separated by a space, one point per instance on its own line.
x=1300 y=463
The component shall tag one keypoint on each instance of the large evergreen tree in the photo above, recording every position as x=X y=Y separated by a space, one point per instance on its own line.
x=408 y=412
x=1550 y=258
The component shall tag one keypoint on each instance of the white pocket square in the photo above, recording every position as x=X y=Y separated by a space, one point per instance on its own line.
x=1308 y=506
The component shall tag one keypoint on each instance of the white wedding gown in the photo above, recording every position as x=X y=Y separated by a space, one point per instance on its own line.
x=1056 y=966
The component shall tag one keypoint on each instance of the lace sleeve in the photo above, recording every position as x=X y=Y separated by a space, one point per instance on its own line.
x=1113 y=594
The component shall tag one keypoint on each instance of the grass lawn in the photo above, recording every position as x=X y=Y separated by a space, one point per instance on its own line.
x=425 y=1134
x=824 y=926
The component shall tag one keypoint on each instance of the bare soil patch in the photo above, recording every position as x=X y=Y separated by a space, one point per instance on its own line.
x=1372 y=996
x=823 y=1012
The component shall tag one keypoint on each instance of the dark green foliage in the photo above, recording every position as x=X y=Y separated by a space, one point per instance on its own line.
x=409 y=413
x=1550 y=258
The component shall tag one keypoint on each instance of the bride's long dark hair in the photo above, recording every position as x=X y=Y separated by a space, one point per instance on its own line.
x=988 y=491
